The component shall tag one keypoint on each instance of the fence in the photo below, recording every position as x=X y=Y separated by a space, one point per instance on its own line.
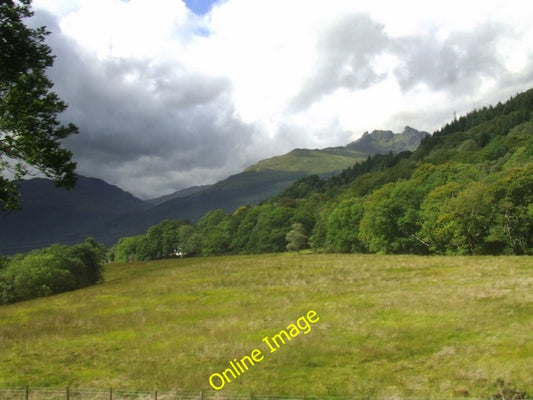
x=111 y=394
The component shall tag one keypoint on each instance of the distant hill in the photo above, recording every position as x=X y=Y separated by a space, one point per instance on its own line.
x=180 y=193
x=51 y=214
x=95 y=208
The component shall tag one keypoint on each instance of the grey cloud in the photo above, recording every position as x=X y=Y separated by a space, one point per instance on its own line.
x=156 y=122
x=345 y=54
x=456 y=63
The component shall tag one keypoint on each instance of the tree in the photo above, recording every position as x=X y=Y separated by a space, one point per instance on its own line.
x=127 y=248
x=30 y=132
x=438 y=226
x=36 y=275
x=241 y=242
x=296 y=238
x=391 y=219
x=161 y=240
x=273 y=224
x=190 y=240
x=342 y=229
x=513 y=195
x=51 y=270
x=215 y=230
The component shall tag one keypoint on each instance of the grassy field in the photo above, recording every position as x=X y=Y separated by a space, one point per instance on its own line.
x=388 y=326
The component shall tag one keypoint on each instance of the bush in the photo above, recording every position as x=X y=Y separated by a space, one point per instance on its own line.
x=36 y=275
x=52 y=270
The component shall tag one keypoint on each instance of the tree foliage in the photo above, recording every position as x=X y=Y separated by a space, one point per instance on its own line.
x=52 y=270
x=296 y=238
x=342 y=232
x=30 y=132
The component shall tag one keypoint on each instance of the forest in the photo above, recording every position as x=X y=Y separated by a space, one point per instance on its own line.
x=467 y=190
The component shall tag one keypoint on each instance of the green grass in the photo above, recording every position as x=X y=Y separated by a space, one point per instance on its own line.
x=389 y=326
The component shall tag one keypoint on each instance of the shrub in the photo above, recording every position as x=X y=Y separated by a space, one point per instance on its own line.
x=36 y=275
x=52 y=270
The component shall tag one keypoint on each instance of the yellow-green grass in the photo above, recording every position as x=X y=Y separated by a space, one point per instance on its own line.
x=389 y=326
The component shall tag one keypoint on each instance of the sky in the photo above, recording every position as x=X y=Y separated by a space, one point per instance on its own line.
x=169 y=93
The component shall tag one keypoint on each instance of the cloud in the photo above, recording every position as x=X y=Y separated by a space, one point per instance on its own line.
x=148 y=125
x=166 y=98
x=457 y=62
x=345 y=58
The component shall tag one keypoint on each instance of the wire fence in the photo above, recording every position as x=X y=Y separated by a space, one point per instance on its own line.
x=68 y=393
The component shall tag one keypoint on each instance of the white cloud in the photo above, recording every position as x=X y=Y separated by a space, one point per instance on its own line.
x=133 y=29
x=264 y=76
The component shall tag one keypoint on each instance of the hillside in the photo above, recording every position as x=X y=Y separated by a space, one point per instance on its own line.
x=258 y=182
x=388 y=326
x=51 y=214
x=467 y=189
x=180 y=193
x=338 y=158
x=95 y=208
x=310 y=161
x=228 y=194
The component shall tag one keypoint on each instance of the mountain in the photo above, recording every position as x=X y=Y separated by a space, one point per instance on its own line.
x=338 y=158
x=263 y=180
x=50 y=214
x=240 y=189
x=381 y=142
x=180 y=193
x=466 y=189
x=95 y=208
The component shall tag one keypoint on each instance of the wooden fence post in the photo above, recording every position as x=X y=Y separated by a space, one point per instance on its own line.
x=27 y=392
x=68 y=393
x=110 y=393
x=156 y=395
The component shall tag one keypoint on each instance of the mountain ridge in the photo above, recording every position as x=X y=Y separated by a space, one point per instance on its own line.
x=180 y=193
x=381 y=141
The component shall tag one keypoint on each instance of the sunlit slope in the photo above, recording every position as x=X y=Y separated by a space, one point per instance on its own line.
x=388 y=326
x=311 y=161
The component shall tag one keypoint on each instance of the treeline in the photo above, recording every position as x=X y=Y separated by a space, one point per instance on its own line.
x=468 y=189
x=55 y=269
x=447 y=209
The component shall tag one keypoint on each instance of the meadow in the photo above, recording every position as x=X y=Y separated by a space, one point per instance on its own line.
x=389 y=326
